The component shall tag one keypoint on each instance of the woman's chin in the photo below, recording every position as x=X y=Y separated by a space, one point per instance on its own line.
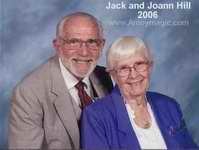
x=137 y=92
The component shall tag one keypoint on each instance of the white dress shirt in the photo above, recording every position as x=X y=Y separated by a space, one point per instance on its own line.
x=150 y=138
x=71 y=81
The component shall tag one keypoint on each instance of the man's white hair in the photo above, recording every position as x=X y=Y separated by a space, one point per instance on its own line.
x=60 y=25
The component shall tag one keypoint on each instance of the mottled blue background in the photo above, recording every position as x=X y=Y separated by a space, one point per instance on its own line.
x=28 y=27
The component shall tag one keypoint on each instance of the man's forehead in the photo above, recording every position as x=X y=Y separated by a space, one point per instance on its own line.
x=81 y=30
x=81 y=21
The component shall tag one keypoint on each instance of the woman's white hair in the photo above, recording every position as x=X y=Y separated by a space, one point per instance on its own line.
x=126 y=47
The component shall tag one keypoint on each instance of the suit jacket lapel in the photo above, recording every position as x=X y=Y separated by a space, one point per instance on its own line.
x=162 y=118
x=63 y=103
x=126 y=134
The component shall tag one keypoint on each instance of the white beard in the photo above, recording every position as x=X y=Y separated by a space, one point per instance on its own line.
x=69 y=66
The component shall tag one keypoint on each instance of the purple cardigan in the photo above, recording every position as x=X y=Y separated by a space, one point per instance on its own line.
x=106 y=125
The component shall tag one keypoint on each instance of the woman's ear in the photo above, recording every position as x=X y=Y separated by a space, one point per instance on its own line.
x=151 y=67
x=111 y=73
x=113 y=76
x=103 y=43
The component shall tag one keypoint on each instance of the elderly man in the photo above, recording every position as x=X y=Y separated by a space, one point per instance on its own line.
x=46 y=106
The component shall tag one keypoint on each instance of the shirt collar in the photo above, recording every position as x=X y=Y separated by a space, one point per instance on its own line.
x=69 y=79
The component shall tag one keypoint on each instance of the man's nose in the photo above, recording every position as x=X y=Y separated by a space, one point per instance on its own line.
x=84 y=49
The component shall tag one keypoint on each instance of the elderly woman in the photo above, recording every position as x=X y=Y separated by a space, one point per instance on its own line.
x=130 y=117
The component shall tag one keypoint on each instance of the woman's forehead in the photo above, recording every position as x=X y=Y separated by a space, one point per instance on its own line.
x=129 y=60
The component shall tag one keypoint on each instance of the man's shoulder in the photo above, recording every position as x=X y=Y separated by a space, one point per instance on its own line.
x=100 y=68
x=103 y=76
x=38 y=75
x=100 y=71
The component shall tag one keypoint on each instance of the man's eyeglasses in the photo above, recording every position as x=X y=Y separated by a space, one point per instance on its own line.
x=77 y=43
x=138 y=67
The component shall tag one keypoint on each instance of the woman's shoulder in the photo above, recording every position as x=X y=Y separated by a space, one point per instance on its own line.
x=101 y=108
x=164 y=104
x=100 y=104
x=160 y=98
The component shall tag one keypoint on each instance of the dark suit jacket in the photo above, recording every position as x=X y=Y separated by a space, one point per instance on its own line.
x=43 y=113
x=106 y=125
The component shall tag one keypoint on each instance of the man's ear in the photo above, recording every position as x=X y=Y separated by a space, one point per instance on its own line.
x=56 y=45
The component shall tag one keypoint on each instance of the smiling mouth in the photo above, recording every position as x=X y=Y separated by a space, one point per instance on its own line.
x=82 y=61
x=135 y=82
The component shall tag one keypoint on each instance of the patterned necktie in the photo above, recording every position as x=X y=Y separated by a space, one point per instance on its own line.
x=84 y=97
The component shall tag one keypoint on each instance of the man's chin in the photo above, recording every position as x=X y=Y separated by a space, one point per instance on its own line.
x=82 y=74
x=80 y=71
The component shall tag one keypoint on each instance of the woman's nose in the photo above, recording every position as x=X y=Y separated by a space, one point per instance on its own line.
x=133 y=73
